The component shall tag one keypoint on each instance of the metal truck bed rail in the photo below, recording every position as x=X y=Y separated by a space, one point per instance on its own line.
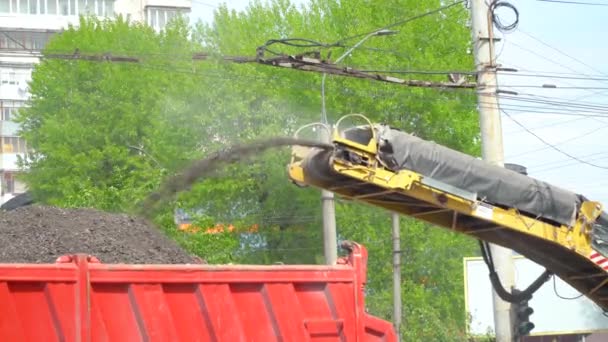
x=562 y=231
x=81 y=299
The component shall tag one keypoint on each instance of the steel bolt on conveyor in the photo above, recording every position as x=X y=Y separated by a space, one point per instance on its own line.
x=387 y=168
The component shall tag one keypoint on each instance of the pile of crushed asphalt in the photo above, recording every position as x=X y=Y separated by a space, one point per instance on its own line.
x=40 y=234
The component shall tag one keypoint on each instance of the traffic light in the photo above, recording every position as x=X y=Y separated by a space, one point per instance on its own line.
x=520 y=318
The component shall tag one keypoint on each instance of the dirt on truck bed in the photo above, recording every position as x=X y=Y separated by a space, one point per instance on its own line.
x=40 y=234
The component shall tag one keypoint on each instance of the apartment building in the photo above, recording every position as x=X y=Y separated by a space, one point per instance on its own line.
x=25 y=27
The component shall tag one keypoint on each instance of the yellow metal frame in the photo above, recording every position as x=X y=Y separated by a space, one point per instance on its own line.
x=449 y=202
x=576 y=238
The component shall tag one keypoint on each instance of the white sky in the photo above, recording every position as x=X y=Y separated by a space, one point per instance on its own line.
x=576 y=30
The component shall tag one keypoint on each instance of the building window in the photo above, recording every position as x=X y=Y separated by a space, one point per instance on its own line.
x=159 y=17
x=14 y=76
x=8 y=113
x=8 y=77
x=23 y=40
x=58 y=7
x=64 y=6
x=51 y=7
x=13 y=145
x=23 y=4
x=9 y=109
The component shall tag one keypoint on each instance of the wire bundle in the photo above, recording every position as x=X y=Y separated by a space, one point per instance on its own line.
x=496 y=4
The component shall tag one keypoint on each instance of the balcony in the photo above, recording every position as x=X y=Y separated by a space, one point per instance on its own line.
x=50 y=14
x=9 y=162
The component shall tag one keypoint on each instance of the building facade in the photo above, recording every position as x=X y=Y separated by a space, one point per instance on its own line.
x=25 y=28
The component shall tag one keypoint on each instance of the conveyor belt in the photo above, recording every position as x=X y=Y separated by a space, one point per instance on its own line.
x=353 y=172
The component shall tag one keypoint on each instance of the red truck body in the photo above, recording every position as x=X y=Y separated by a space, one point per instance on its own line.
x=80 y=299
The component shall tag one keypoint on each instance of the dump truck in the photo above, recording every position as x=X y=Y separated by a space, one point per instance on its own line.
x=79 y=298
x=385 y=167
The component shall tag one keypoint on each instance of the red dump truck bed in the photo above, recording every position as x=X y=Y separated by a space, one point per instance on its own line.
x=80 y=299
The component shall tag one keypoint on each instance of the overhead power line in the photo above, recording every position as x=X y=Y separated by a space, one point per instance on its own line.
x=580 y=77
x=550 y=73
x=556 y=165
x=554 y=99
x=404 y=21
x=316 y=65
x=545 y=57
x=563 y=53
x=550 y=124
x=557 y=111
x=559 y=104
x=574 y=2
x=565 y=165
x=576 y=72
x=551 y=145
x=580 y=136
x=559 y=163
x=423 y=72
x=549 y=112
x=205 y=4
x=291 y=62
x=553 y=86
x=340 y=43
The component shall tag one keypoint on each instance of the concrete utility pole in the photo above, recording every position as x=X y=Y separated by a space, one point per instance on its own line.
x=396 y=276
x=330 y=241
x=492 y=147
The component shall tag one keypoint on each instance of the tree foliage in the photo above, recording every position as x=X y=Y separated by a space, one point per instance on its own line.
x=105 y=134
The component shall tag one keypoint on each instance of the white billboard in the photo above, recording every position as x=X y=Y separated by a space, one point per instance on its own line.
x=552 y=315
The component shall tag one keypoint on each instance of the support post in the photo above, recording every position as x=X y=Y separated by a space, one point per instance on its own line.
x=330 y=239
x=330 y=242
x=492 y=146
x=328 y=207
x=397 y=309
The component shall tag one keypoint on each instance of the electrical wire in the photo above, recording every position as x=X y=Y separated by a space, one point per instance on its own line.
x=548 y=112
x=548 y=106
x=556 y=87
x=511 y=297
x=404 y=21
x=545 y=58
x=561 y=65
x=519 y=69
x=496 y=4
x=561 y=101
x=580 y=136
x=16 y=41
x=340 y=43
x=205 y=4
x=560 y=162
x=563 y=53
x=473 y=73
x=560 y=167
x=584 y=78
x=422 y=72
x=298 y=42
x=562 y=297
x=552 y=124
x=550 y=145
x=573 y=2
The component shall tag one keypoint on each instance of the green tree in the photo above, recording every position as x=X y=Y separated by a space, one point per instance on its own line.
x=105 y=134
x=433 y=289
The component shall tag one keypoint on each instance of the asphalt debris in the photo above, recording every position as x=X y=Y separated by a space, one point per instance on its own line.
x=41 y=234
